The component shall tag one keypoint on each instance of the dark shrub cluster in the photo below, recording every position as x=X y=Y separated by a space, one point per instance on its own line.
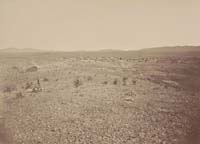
x=77 y=83
x=115 y=82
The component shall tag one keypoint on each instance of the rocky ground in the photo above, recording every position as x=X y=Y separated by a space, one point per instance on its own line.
x=100 y=100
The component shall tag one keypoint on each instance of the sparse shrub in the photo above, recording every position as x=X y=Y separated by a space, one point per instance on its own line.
x=7 y=88
x=105 y=82
x=81 y=95
x=19 y=95
x=45 y=79
x=89 y=78
x=134 y=82
x=15 y=67
x=28 y=85
x=115 y=82
x=124 y=80
x=77 y=83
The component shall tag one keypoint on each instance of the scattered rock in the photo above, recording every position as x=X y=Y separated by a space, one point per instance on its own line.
x=129 y=99
x=130 y=93
x=36 y=89
x=33 y=88
x=30 y=90
x=170 y=82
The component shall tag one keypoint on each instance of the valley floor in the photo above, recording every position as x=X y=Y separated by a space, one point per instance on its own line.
x=102 y=100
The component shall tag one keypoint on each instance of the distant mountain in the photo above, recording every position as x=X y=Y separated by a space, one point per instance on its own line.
x=162 y=50
x=158 y=49
x=110 y=50
x=173 y=49
x=16 y=50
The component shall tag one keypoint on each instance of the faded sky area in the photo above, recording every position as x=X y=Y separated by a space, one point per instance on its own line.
x=98 y=24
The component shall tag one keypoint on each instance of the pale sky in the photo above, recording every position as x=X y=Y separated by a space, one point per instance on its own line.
x=98 y=24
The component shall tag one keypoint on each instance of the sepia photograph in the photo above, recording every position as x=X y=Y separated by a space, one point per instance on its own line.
x=99 y=72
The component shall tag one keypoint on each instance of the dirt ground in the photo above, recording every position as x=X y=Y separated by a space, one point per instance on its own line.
x=99 y=99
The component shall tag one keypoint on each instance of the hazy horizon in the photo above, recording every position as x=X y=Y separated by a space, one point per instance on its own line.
x=71 y=25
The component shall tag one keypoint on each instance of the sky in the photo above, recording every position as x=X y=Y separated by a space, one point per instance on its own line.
x=98 y=24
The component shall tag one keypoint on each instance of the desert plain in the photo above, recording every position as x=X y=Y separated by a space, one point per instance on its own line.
x=107 y=97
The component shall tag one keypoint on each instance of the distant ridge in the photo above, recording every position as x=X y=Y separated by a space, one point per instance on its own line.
x=110 y=50
x=16 y=50
x=164 y=49
x=156 y=49
x=172 y=49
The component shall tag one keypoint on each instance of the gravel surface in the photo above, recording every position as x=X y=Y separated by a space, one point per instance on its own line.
x=151 y=100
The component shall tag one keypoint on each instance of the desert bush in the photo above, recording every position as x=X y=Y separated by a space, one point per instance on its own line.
x=45 y=79
x=134 y=82
x=105 y=82
x=15 y=68
x=19 y=95
x=124 y=80
x=77 y=83
x=115 y=82
x=89 y=78
x=28 y=85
